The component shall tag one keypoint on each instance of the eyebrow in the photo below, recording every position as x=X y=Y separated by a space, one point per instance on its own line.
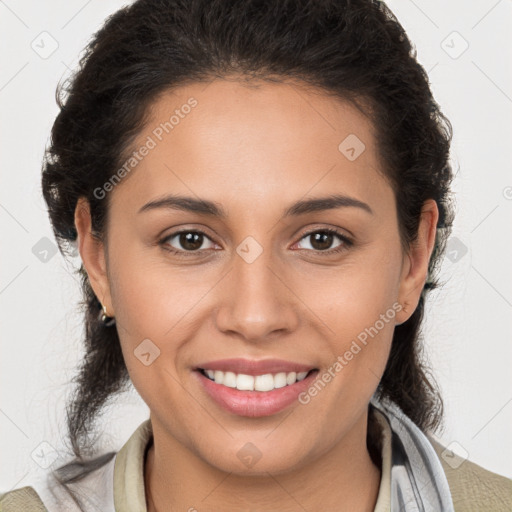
x=211 y=208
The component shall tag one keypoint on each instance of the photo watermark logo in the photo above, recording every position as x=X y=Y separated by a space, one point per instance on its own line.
x=137 y=156
x=343 y=360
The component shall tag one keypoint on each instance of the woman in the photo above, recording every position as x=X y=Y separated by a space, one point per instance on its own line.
x=259 y=192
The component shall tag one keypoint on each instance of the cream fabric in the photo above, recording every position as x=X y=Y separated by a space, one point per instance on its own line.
x=129 y=494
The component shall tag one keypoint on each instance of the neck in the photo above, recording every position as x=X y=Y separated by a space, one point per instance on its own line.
x=343 y=479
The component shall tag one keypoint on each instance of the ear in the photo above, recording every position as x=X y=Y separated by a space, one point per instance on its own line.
x=415 y=267
x=92 y=251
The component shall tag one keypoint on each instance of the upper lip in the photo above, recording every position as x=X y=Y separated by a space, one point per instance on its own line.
x=251 y=367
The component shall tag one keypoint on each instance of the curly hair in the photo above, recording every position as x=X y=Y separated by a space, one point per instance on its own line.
x=355 y=50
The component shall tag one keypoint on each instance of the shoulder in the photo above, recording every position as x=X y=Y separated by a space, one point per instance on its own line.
x=473 y=488
x=73 y=487
x=88 y=486
x=23 y=499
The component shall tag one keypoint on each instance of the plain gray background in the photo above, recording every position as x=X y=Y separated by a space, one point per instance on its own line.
x=464 y=46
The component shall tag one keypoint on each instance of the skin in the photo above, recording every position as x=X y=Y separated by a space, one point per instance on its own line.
x=255 y=151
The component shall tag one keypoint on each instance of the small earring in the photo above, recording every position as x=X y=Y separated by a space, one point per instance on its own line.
x=105 y=319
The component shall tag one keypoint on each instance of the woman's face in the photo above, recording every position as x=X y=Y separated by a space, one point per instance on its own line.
x=254 y=276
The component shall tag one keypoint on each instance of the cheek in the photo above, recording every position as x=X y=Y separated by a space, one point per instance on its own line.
x=158 y=309
x=352 y=297
x=360 y=311
x=150 y=296
x=358 y=305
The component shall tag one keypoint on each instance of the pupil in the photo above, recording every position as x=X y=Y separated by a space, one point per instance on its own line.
x=322 y=240
x=191 y=241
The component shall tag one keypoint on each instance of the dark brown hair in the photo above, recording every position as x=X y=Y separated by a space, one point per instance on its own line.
x=353 y=49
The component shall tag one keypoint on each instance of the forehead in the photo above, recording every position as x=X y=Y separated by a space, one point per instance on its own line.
x=246 y=143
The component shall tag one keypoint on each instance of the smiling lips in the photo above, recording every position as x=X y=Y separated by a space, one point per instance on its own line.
x=254 y=388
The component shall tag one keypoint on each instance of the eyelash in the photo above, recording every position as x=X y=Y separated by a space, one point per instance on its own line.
x=347 y=243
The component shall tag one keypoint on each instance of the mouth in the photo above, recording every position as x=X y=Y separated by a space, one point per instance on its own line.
x=254 y=389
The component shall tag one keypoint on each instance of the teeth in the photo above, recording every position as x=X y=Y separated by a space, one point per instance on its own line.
x=280 y=380
x=266 y=382
x=229 y=379
x=244 y=382
x=291 y=378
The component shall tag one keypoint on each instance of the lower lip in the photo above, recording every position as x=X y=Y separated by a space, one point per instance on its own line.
x=254 y=403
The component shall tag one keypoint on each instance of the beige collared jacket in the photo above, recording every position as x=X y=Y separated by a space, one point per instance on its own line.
x=118 y=486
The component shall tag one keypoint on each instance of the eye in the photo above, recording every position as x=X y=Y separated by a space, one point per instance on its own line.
x=321 y=240
x=192 y=241
x=186 y=241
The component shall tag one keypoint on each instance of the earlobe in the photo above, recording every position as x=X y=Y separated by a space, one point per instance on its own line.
x=417 y=260
x=92 y=252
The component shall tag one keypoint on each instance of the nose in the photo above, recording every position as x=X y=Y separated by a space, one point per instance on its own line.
x=256 y=302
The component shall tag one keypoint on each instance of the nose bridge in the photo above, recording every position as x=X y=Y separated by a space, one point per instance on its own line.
x=254 y=274
x=255 y=302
